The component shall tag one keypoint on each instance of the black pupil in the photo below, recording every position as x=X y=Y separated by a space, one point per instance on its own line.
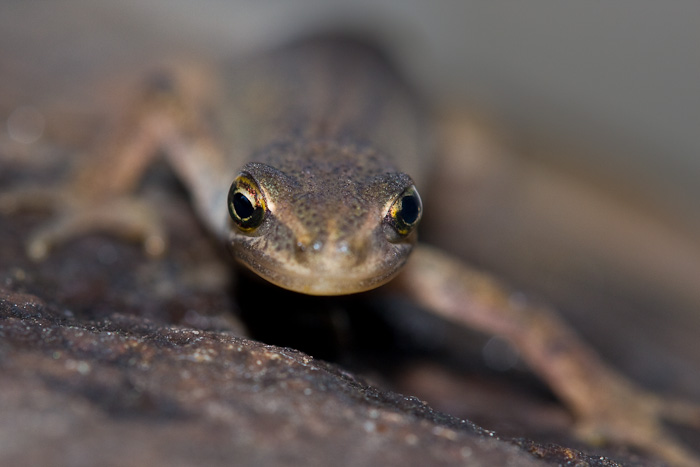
x=242 y=205
x=409 y=209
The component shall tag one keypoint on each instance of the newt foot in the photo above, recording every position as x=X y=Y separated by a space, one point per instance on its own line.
x=637 y=419
x=125 y=217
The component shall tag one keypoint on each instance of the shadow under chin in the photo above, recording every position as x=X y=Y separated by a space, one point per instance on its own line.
x=326 y=327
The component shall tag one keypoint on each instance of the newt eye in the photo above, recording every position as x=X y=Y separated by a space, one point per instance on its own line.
x=405 y=213
x=246 y=203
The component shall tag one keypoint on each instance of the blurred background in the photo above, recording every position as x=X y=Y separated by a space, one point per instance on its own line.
x=571 y=171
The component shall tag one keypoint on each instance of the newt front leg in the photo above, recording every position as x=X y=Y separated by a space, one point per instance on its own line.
x=607 y=406
x=100 y=194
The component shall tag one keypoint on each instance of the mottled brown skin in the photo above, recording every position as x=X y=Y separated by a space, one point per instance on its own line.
x=324 y=127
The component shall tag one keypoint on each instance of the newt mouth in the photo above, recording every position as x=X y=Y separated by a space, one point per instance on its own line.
x=327 y=280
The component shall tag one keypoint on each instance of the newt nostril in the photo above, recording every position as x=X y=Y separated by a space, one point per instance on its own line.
x=343 y=248
x=351 y=252
x=306 y=249
x=300 y=252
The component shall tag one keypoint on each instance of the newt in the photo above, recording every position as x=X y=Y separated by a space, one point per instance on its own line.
x=306 y=163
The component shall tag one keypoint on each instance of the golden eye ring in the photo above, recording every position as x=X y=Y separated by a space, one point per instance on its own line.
x=405 y=212
x=246 y=203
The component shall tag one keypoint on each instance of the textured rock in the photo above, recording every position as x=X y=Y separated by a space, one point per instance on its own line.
x=124 y=391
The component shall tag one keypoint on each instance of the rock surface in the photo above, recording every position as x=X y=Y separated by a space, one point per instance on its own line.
x=125 y=391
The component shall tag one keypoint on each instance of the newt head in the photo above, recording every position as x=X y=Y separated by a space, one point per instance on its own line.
x=337 y=220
